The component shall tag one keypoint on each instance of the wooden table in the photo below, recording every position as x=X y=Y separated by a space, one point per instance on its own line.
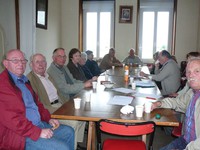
x=98 y=108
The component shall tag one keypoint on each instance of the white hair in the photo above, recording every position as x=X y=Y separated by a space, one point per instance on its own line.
x=83 y=55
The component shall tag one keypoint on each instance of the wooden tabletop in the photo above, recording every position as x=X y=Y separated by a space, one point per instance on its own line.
x=98 y=107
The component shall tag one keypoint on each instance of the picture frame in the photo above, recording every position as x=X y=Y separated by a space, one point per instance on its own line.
x=41 y=13
x=125 y=14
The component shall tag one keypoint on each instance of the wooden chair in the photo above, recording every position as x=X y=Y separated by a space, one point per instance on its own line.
x=125 y=129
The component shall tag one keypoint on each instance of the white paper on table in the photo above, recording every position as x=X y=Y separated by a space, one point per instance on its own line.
x=146 y=95
x=145 y=84
x=120 y=100
x=123 y=90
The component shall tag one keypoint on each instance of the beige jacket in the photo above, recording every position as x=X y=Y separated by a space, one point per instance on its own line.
x=180 y=104
x=39 y=88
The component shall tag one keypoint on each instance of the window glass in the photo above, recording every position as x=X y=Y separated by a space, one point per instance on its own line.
x=98 y=26
x=155 y=27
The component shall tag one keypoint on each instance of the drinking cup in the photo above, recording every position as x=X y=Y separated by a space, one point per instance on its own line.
x=88 y=97
x=77 y=103
x=94 y=85
x=139 y=110
x=133 y=85
x=147 y=107
x=131 y=79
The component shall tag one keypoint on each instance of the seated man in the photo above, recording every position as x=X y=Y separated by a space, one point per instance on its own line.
x=47 y=93
x=109 y=60
x=185 y=88
x=168 y=75
x=64 y=82
x=24 y=122
x=86 y=70
x=188 y=103
x=132 y=58
x=91 y=64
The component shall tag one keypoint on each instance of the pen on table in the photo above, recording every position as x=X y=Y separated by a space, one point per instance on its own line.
x=150 y=98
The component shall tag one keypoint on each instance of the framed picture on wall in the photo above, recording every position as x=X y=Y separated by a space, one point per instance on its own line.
x=41 y=13
x=125 y=14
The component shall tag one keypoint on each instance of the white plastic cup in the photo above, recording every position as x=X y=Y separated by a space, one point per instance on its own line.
x=150 y=77
x=131 y=79
x=139 y=110
x=94 y=85
x=133 y=85
x=147 y=107
x=88 y=97
x=77 y=103
x=113 y=67
x=106 y=77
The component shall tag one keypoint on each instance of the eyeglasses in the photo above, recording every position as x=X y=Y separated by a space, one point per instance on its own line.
x=40 y=62
x=16 y=61
x=63 y=57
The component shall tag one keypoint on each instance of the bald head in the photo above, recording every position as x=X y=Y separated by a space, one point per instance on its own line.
x=38 y=64
x=59 y=56
x=131 y=52
x=112 y=52
x=193 y=73
x=15 y=62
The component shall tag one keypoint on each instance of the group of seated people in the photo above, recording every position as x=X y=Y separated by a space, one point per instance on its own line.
x=26 y=102
x=51 y=87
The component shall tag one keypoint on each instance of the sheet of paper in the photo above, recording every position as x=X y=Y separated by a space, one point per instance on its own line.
x=145 y=83
x=147 y=95
x=120 y=100
x=123 y=90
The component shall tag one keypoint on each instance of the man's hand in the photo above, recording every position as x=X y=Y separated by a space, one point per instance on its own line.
x=173 y=95
x=94 y=78
x=156 y=105
x=54 y=123
x=46 y=133
x=143 y=74
x=88 y=84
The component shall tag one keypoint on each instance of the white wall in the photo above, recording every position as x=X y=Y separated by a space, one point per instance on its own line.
x=63 y=24
x=7 y=23
x=27 y=28
x=125 y=33
x=70 y=24
x=187 y=29
x=48 y=40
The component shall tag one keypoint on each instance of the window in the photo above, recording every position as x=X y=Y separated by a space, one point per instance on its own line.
x=98 y=26
x=156 y=18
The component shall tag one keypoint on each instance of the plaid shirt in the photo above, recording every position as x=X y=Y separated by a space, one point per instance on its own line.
x=189 y=129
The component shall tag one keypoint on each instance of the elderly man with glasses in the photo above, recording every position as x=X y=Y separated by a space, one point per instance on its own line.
x=24 y=122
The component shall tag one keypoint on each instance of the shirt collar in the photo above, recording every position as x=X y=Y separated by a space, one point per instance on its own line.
x=46 y=75
x=58 y=66
x=17 y=79
x=196 y=91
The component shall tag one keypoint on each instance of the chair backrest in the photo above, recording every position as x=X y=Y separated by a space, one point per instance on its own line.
x=126 y=129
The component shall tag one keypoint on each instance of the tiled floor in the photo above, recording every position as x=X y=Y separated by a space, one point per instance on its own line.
x=160 y=139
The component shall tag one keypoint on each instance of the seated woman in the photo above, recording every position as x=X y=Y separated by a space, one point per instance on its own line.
x=74 y=66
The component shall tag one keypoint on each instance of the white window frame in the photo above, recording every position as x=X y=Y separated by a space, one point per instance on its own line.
x=156 y=6
x=98 y=6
